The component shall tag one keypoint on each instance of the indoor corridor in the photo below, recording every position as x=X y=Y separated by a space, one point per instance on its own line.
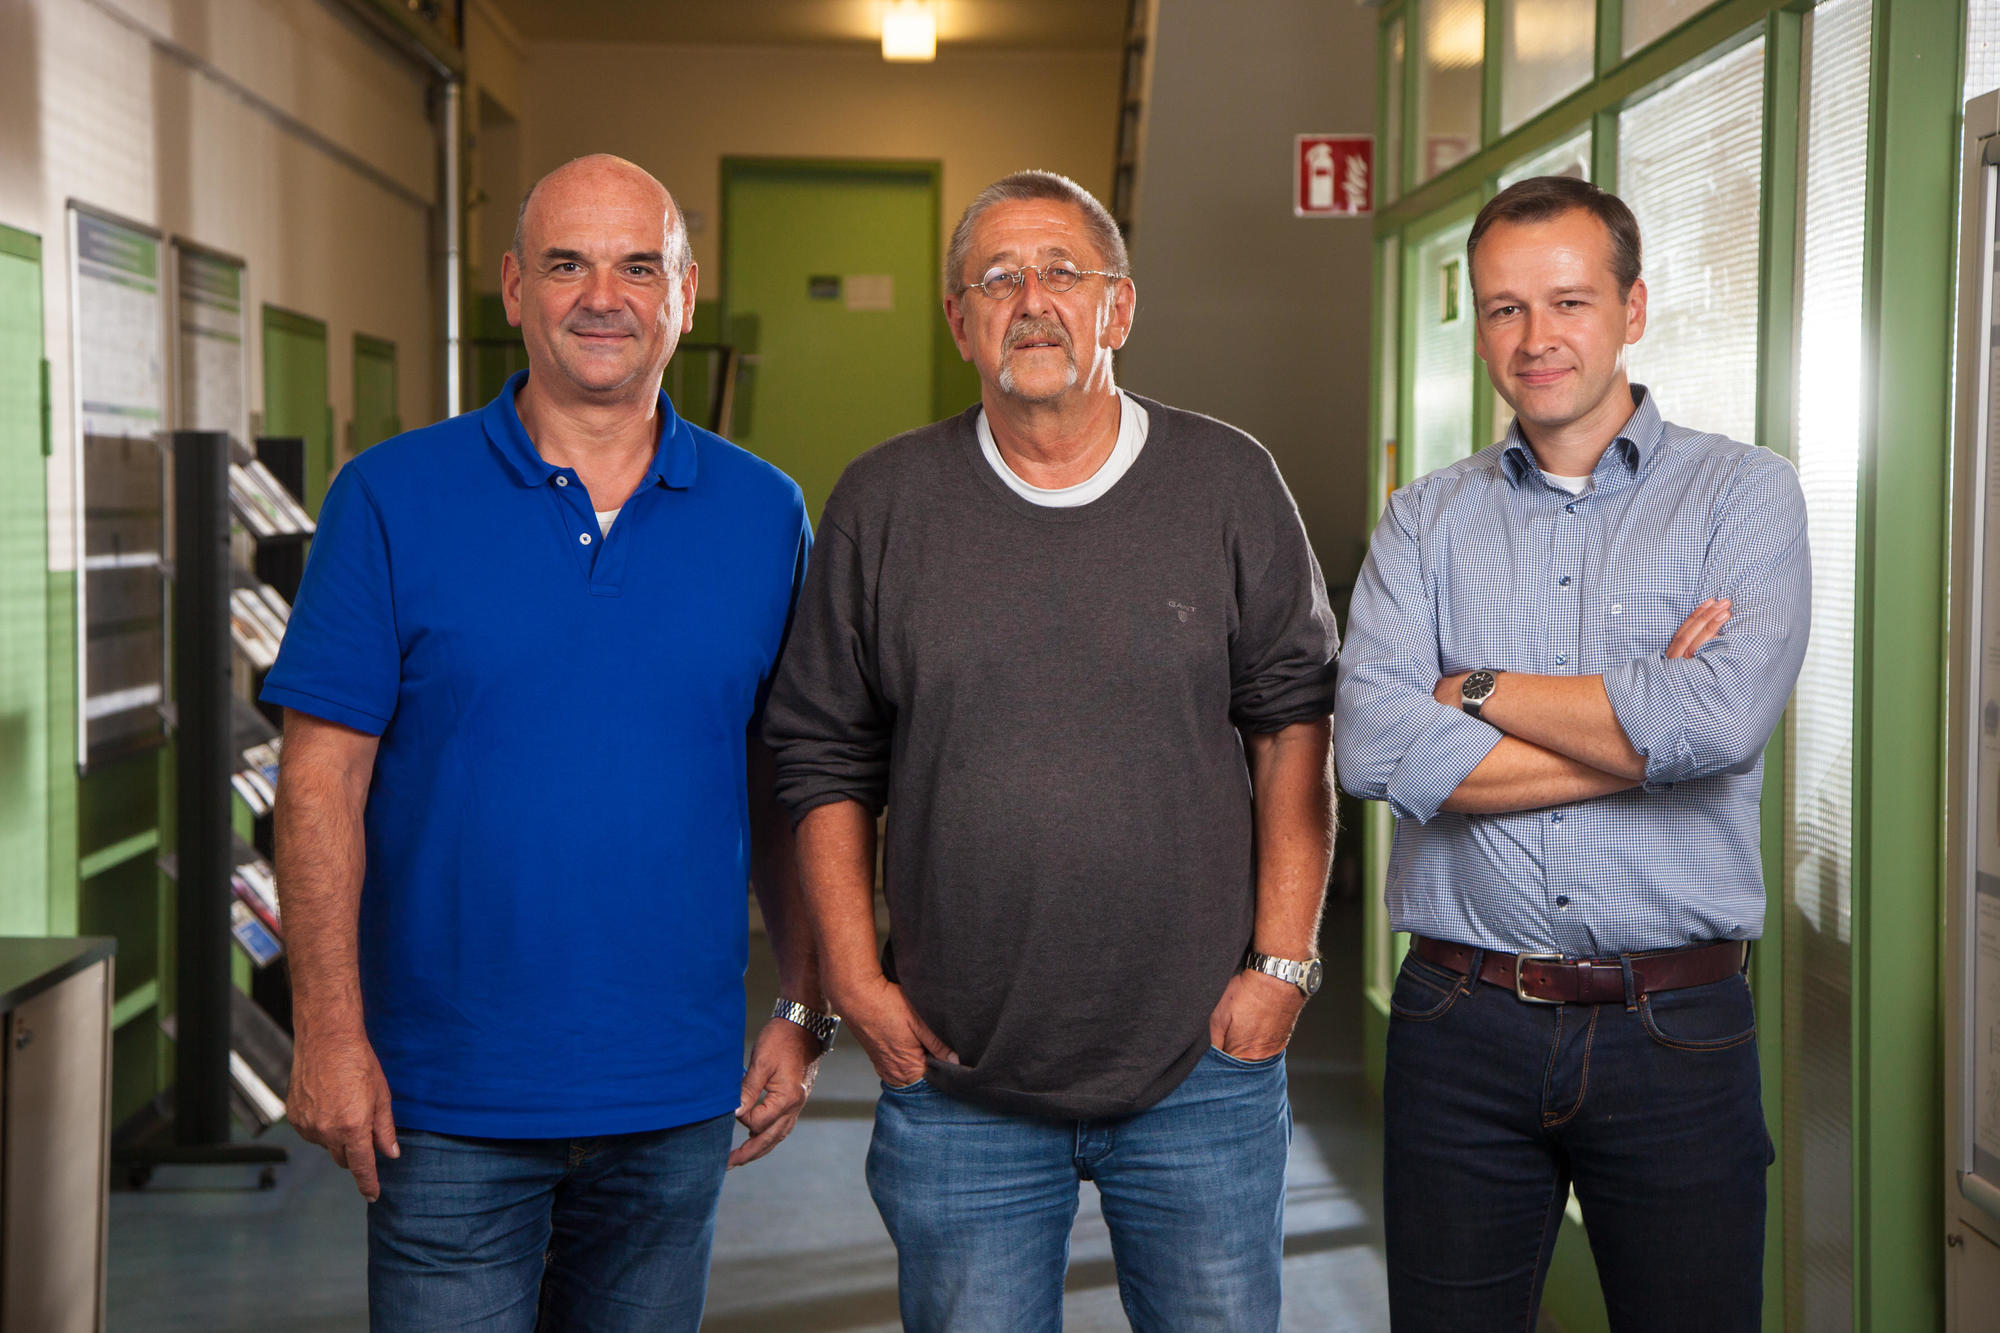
x=798 y=1245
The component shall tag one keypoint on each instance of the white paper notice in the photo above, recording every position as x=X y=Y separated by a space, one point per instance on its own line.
x=213 y=372
x=120 y=340
x=870 y=291
x=1986 y=1027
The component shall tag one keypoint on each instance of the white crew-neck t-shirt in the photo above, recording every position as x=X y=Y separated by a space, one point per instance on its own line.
x=1132 y=428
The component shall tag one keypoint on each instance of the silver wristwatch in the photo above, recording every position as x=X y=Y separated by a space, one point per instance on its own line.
x=1305 y=975
x=822 y=1026
x=1476 y=689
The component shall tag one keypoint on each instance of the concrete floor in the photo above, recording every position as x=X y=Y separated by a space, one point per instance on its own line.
x=798 y=1247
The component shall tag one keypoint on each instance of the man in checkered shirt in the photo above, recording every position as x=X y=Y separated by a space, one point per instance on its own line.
x=1565 y=656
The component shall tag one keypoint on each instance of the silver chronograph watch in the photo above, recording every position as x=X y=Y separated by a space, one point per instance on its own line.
x=1305 y=975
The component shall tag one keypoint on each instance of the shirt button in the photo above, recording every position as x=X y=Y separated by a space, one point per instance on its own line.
x=1569 y=509
x=1562 y=900
x=583 y=537
x=1561 y=660
x=1563 y=582
x=562 y=481
x=1556 y=818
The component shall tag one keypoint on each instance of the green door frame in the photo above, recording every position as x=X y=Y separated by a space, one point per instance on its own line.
x=945 y=376
x=320 y=461
x=1898 y=871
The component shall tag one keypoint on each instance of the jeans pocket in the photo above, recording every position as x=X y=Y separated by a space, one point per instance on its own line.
x=921 y=1085
x=1717 y=1017
x=1424 y=992
x=1237 y=1062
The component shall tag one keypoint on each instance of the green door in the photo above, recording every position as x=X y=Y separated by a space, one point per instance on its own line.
x=24 y=582
x=837 y=264
x=375 y=418
x=295 y=395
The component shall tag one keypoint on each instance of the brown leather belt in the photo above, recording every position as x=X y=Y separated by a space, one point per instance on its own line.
x=1545 y=978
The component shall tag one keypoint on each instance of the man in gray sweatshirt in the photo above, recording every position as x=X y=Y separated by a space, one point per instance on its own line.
x=1078 y=646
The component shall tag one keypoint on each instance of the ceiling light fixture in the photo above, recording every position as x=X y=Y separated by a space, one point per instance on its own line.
x=909 y=30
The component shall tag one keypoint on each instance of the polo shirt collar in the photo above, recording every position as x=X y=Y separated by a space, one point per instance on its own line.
x=673 y=461
x=1633 y=447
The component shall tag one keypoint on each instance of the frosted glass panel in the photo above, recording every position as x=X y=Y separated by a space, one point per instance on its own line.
x=1826 y=444
x=1442 y=391
x=1390 y=170
x=1689 y=164
x=1571 y=157
x=1546 y=54
x=1454 y=48
x=1982 y=47
x=1647 y=20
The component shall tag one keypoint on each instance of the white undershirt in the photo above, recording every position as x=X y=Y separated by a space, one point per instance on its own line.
x=1132 y=428
x=605 y=518
x=1574 y=485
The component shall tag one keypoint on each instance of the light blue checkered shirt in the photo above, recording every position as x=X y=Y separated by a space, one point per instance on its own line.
x=1486 y=563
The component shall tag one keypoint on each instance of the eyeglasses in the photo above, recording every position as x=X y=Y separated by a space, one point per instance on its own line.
x=1000 y=283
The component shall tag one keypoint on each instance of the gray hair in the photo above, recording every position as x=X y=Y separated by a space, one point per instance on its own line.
x=679 y=253
x=1026 y=185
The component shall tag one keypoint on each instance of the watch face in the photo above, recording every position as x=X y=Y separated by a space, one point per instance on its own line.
x=1314 y=974
x=1477 y=686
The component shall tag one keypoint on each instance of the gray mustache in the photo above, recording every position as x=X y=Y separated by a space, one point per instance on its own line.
x=1037 y=330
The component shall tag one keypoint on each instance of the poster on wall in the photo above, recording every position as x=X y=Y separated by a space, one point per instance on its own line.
x=118 y=349
x=212 y=379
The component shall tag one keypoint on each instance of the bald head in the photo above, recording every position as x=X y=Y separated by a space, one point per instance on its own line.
x=612 y=179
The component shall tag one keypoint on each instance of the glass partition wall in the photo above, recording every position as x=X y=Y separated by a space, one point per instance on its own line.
x=1743 y=135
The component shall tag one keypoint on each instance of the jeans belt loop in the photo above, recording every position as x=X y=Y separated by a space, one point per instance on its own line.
x=1473 y=969
x=1631 y=983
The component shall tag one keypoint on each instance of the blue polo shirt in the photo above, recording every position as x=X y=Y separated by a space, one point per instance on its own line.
x=553 y=923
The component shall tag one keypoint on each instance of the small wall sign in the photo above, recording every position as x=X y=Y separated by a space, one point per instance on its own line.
x=1333 y=176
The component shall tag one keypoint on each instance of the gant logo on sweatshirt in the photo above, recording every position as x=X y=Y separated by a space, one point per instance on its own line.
x=1181 y=609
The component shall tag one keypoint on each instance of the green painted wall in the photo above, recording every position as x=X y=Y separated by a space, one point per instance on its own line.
x=24 y=547
x=831 y=381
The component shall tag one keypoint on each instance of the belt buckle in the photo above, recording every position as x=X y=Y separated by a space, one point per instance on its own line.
x=1521 y=958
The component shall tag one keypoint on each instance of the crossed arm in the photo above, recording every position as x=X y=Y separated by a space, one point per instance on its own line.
x=1562 y=741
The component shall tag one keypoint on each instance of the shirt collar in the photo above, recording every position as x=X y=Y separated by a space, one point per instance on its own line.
x=1633 y=446
x=673 y=461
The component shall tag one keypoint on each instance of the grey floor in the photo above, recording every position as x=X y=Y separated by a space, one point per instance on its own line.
x=798 y=1246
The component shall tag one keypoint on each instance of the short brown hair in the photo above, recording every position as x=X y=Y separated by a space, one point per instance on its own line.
x=1540 y=198
x=1022 y=185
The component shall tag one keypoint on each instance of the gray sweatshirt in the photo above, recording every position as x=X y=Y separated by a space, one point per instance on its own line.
x=1048 y=702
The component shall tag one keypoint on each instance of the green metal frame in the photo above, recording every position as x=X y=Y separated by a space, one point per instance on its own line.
x=1911 y=214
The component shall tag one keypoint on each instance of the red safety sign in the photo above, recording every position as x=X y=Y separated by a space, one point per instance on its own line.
x=1333 y=176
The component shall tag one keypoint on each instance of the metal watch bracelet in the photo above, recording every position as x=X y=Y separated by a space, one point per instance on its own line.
x=823 y=1026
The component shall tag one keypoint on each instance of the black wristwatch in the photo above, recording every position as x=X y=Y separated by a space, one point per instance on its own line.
x=1476 y=689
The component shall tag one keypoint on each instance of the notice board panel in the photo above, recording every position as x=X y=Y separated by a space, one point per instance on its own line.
x=119 y=401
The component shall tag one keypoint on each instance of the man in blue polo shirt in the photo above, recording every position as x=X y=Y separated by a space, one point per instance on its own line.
x=520 y=799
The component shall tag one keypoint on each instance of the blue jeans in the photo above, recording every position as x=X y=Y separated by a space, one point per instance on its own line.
x=980 y=1204
x=1493 y=1108
x=545 y=1235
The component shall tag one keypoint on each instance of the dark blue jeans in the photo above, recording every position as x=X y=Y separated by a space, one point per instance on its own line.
x=602 y=1235
x=1493 y=1108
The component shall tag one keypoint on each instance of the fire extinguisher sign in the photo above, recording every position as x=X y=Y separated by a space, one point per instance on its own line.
x=1333 y=176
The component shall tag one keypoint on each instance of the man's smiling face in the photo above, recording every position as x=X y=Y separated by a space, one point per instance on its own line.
x=1552 y=324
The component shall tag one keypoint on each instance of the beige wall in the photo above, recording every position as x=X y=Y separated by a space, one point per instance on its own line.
x=679 y=110
x=1246 y=312
x=106 y=102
